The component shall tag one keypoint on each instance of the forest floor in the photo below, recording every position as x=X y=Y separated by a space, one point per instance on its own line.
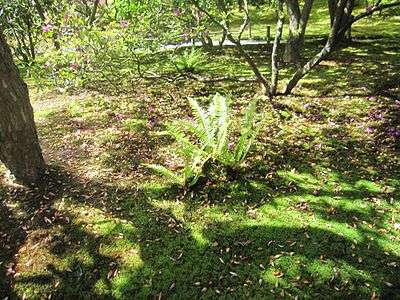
x=315 y=213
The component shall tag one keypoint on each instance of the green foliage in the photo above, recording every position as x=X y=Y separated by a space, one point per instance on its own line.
x=212 y=132
x=19 y=21
x=247 y=137
x=192 y=61
x=123 y=56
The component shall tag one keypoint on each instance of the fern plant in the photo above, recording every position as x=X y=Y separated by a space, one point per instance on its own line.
x=212 y=130
x=190 y=61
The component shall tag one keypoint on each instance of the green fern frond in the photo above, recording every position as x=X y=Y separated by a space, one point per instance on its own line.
x=167 y=173
x=190 y=61
x=212 y=129
x=187 y=147
x=194 y=129
x=221 y=123
x=248 y=133
x=202 y=118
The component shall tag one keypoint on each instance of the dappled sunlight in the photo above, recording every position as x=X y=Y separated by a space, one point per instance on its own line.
x=313 y=211
x=146 y=242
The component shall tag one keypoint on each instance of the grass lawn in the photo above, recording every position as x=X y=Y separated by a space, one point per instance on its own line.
x=315 y=213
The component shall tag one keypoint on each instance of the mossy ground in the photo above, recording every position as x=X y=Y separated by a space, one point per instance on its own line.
x=314 y=214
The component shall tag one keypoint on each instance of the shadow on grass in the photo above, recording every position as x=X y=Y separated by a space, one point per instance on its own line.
x=318 y=236
x=238 y=259
x=119 y=140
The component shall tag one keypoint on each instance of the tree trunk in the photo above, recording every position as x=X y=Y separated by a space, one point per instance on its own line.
x=19 y=145
x=345 y=19
x=298 y=20
x=332 y=7
x=94 y=11
x=275 y=48
x=337 y=29
x=324 y=53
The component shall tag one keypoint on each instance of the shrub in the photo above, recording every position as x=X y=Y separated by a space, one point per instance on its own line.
x=190 y=61
x=207 y=140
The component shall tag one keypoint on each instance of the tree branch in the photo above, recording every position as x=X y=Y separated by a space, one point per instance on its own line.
x=330 y=43
x=275 y=48
x=236 y=41
x=246 y=19
x=373 y=9
x=369 y=12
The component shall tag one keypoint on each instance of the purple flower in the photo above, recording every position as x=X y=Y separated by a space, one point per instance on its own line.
x=393 y=132
x=231 y=146
x=151 y=122
x=397 y=103
x=124 y=24
x=376 y=115
x=47 y=28
x=177 y=12
x=369 y=130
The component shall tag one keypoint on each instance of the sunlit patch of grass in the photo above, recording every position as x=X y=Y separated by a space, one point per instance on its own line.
x=43 y=114
x=134 y=124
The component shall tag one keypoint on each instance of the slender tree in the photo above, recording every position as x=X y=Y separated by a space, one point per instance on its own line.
x=340 y=25
x=236 y=40
x=344 y=20
x=298 y=19
x=275 y=48
x=19 y=145
x=94 y=11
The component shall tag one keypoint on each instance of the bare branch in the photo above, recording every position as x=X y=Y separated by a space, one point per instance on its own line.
x=236 y=41
x=369 y=12
x=274 y=56
x=246 y=19
x=373 y=9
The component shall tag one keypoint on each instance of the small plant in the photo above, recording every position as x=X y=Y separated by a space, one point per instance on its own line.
x=207 y=139
x=190 y=61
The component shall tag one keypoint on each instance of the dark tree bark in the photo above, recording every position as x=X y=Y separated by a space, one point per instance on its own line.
x=298 y=20
x=331 y=7
x=324 y=53
x=19 y=146
x=345 y=19
x=94 y=11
